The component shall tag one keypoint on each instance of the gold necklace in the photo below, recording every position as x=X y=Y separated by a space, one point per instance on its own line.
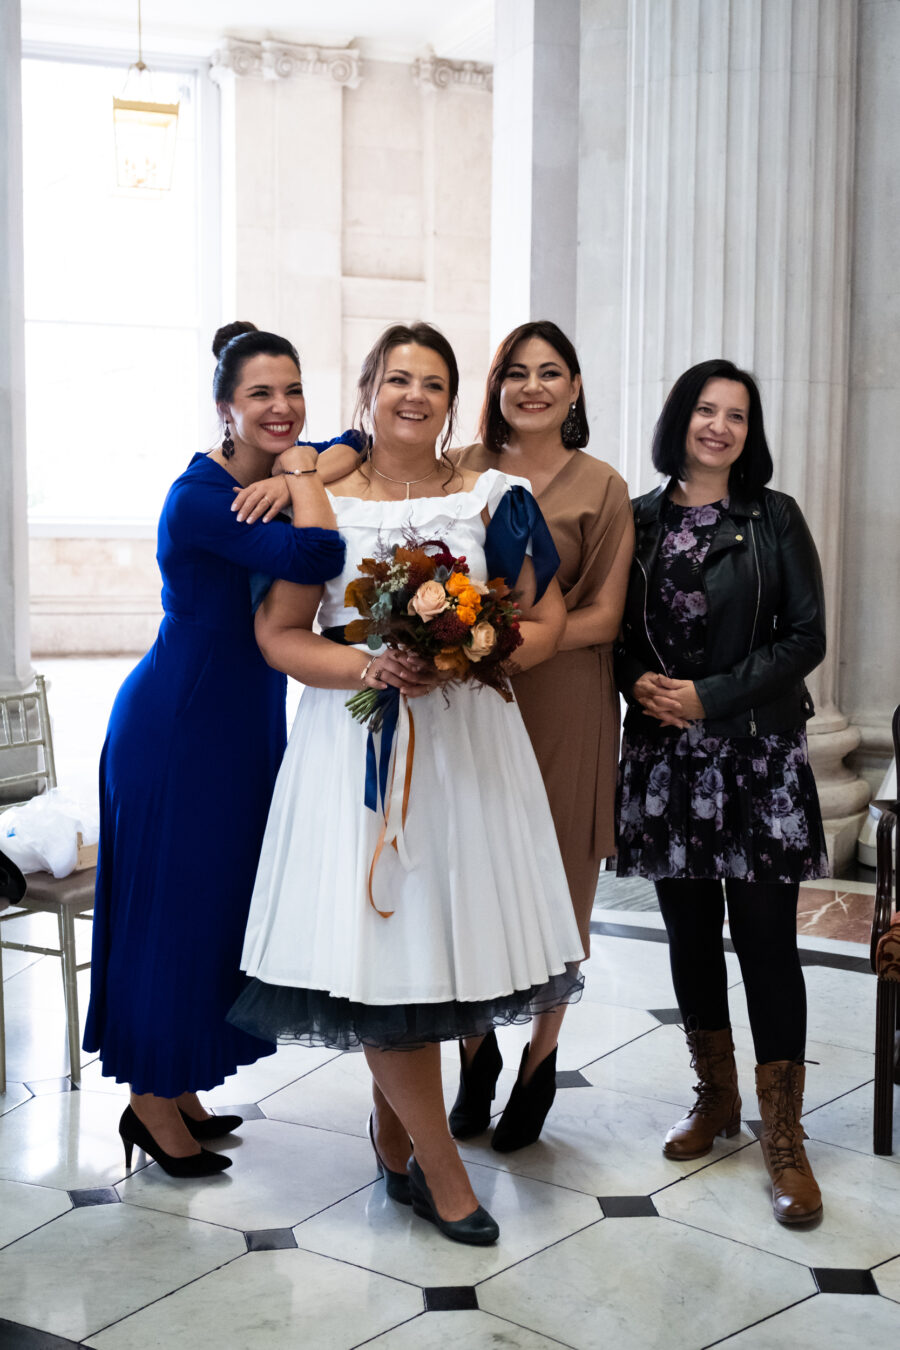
x=403 y=482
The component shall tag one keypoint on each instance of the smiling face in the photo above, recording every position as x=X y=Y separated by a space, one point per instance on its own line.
x=413 y=399
x=267 y=410
x=717 y=430
x=537 y=388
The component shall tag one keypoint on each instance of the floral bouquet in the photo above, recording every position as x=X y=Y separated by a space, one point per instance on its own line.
x=420 y=597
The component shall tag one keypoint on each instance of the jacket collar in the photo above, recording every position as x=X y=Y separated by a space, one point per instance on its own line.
x=648 y=508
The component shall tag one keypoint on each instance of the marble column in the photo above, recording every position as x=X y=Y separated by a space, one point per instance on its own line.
x=456 y=218
x=740 y=152
x=282 y=145
x=535 y=165
x=15 y=663
x=870 y=629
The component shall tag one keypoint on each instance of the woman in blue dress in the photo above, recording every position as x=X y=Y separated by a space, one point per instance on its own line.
x=195 y=739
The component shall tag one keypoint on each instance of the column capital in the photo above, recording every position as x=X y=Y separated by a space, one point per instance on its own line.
x=285 y=60
x=432 y=72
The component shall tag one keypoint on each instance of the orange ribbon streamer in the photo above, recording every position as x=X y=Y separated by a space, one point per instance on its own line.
x=393 y=834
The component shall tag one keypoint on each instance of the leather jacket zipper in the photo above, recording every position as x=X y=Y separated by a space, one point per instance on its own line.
x=756 y=615
x=646 y=624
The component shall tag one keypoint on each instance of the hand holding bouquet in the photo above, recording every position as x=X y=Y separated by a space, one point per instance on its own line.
x=421 y=598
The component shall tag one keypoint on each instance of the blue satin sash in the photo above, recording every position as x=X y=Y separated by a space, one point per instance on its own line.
x=517 y=520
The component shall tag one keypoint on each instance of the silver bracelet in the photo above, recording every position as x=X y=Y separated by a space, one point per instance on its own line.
x=369 y=664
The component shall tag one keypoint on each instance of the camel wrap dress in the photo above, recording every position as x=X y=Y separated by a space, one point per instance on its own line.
x=570 y=704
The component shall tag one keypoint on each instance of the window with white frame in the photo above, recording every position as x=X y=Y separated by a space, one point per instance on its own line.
x=116 y=317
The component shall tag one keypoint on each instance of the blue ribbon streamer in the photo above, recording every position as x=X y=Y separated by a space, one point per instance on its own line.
x=377 y=766
x=517 y=520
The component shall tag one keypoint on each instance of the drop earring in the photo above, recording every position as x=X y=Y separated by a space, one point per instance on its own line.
x=227 y=443
x=570 y=431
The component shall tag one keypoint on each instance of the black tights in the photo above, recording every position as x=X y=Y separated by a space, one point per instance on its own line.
x=763 y=923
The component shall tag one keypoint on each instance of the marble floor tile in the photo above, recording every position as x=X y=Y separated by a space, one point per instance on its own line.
x=464 y=1331
x=887 y=1277
x=861 y=1198
x=15 y=1095
x=602 y=1143
x=336 y=1096
x=826 y=1322
x=281 y=1174
x=256 y=1082
x=95 y=1265
x=847 y=1121
x=24 y=1208
x=624 y=1283
x=282 y=1300
x=372 y=1231
x=635 y=974
x=835 y=913
x=841 y=1006
x=64 y=1139
x=35 y=1013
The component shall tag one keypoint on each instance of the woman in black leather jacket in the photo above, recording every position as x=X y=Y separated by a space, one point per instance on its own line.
x=724 y=618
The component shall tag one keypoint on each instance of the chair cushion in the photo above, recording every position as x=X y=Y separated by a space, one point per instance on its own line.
x=887 y=953
x=47 y=891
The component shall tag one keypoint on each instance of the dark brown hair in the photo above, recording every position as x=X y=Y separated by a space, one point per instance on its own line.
x=493 y=429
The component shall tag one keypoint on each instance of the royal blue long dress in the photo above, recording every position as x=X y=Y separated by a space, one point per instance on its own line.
x=195 y=738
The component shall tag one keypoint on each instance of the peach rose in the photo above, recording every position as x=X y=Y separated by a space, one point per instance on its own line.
x=429 y=601
x=484 y=639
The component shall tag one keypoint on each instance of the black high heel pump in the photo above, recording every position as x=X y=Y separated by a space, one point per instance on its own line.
x=213 y=1127
x=134 y=1132
x=477 y=1229
x=395 y=1183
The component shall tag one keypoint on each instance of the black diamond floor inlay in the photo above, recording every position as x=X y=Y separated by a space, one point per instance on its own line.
x=99 y=1195
x=628 y=1207
x=755 y=1126
x=668 y=1016
x=566 y=1078
x=270 y=1239
x=451 y=1298
x=833 y=1280
x=14 y=1336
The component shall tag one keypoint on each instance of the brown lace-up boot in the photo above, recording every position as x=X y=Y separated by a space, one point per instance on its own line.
x=796 y=1197
x=717 y=1109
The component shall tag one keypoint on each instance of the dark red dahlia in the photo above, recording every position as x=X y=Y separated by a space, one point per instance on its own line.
x=447 y=628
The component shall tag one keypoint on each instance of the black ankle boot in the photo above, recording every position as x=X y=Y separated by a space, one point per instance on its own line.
x=471 y=1113
x=525 y=1112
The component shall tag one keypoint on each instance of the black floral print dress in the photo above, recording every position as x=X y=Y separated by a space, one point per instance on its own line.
x=692 y=805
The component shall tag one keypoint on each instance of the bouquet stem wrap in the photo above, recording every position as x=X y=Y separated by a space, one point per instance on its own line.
x=396 y=798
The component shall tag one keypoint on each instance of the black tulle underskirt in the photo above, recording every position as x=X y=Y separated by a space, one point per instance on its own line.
x=313 y=1017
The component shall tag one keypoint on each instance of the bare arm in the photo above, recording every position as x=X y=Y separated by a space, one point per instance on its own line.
x=284 y=632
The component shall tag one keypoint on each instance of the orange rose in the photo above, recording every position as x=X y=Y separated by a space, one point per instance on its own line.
x=451 y=661
x=484 y=639
x=466 y=615
x=456 y=583
x=429 y=601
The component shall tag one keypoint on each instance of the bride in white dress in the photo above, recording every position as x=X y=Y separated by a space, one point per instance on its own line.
x=468 y=923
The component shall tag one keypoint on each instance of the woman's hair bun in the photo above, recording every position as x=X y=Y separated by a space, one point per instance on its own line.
x=228 y=331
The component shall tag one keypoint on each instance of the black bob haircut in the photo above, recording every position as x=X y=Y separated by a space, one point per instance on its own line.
x=753 y=469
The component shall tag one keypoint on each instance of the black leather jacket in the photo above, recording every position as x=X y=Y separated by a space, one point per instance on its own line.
x=765 y=617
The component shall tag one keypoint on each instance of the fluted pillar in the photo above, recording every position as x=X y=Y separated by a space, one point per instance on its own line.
x=740 y=146
x=15 y=662
x=282 y=200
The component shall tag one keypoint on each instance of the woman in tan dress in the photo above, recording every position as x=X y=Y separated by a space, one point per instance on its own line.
x=534 y=424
